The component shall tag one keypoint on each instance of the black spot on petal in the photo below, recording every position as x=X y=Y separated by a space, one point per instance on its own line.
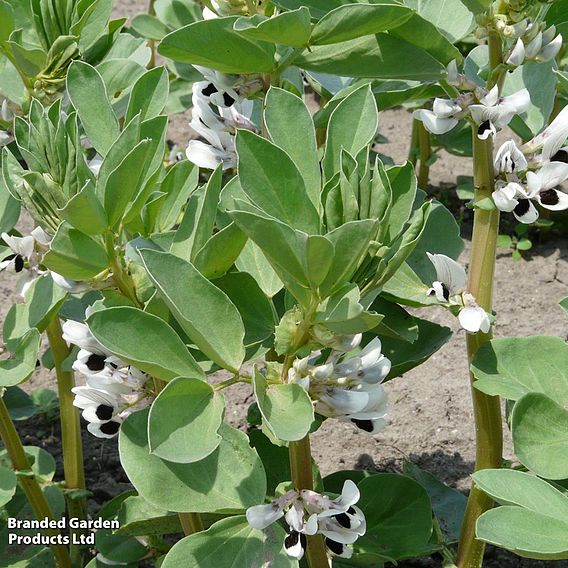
x=549 y=197
x=292 y=539
x=484 y=127
x=110 y=428
x=228 y=100
x=335 y=547
x=522 y=207
x=344 y=520
x=366 y=425
x=95 y=362
x=19 y=263
x=209 y=90
x=104 y=412
x=445 y=292
x=351 y=511
x=560 y=156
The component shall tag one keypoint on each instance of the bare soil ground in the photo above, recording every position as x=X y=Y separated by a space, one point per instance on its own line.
x=430 y=417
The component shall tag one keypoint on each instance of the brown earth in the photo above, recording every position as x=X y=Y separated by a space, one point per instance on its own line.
x=430 y=417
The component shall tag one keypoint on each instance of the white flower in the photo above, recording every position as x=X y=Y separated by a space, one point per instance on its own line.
x=24 y=259
x=495 y=112
x=349 y=390
x=71 y=286
x=100 y=409
x=309 y=513
x=510 y=159
x=218 y=127
x=544 y=46
x=517 y=55
x=442 y=117
x=78 y=334
x=473 y=318
x=450 y=289
x=542 y=185
x=551 y=140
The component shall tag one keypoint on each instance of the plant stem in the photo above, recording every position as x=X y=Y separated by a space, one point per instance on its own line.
x=123 y=280
x=29 y=484
x=486 y=409
x=152 y=43
x=425 y=154
x=302 y=477
x=191 y=523
x=72 y=447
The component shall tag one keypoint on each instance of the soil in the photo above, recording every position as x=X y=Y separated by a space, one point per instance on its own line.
x=430 y=417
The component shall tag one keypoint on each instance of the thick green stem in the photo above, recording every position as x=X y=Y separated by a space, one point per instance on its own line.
x=486 y=409
x=70 y=427
x=191 y=523
x=29 y=484
x=425 y=154
x=302 y=478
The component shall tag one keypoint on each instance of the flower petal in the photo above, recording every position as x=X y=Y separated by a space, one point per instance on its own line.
x=474 y=319
x=434 y=124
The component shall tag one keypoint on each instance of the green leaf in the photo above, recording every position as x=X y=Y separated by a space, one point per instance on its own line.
x=137 y=517
x=230 y=479
x=149 y=27
x=6 y=20
x=220 y=252
x=352 y=126
x=88 y=95
x=149 y=95
x=42 y=301
x=22 y=364
x=288 y=28
x=198 y=221
x=399 y=516
x=85 y=212
x=405 y=356
x=355 y=20
x=118 y=548
x=284 y=248
x=184 y=421
x=231 y=543
x=252 y=261
x=448 y=504
x=513 y=528
x=144 y=340
x=342 y=313
x=214 y=43
x=291 y=128
x=8 y=484
x=272 y=181
x=286 y=409
x=204 y=312
x=533 y=519
x=275 y=459
x=179 y=183
x=514 y=366
x=396 y=323
x=540 y=435
x=19 y=403
x=383 y=56
x=125 y=181
x=255 y=308
x=564 y=304
x=41 y=462
x=450 y=17
x=75 y=255
x=405 y=287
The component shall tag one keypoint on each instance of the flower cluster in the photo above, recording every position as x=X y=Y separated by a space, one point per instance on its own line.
x=24 y=256
x=490 y=113
x=113 y=389
x=307 y=513
x=218 y=110
x=532 y=43
x=450 y=290
x=347 y=388
x=533 y=173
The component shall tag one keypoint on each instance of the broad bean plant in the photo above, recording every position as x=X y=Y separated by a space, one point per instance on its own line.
x=277 y=253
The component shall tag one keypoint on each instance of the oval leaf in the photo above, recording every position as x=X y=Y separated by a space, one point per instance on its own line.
x=184 y=421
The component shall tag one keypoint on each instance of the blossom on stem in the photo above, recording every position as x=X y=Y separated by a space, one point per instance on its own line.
x=113 y=388
x=548 y=144
x=494 y=111
x=450 y=290
x=348 y=390
x=509 y=159
x=442 y=117
x=25 y=256
x=217 y=127
x=307 y=513
x=517 y=55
